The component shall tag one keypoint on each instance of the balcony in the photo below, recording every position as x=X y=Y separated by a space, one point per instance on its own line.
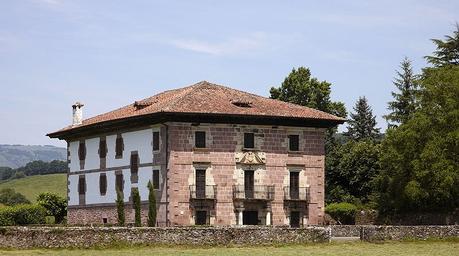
x=296 y=194
x=257 y=192
x=208 y=192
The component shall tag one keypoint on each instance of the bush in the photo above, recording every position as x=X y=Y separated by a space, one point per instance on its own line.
x=22 y=215
x=343 y=213
x=10 y=197
x=55 y=205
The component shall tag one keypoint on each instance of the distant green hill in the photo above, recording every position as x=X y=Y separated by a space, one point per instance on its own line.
x=33 y=185
x=15 y=156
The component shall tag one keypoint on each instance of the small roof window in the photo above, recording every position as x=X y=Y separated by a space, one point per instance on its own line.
x=243 y=103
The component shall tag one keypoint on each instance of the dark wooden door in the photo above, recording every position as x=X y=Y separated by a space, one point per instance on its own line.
x=294 y=185
x=201 y=217
x=250 y=218
x=200 y=183
x=248 y=184
x=295 y=219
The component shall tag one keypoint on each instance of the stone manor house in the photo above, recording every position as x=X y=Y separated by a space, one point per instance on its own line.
x=215 y=156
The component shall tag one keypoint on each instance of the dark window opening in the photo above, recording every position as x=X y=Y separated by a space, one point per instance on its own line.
x=134 y=167
x=249 y=184
x=200 y=183
x=119 y=182
x=155 y=141
x=156 y=179
x=119 y=147
x=201 y=217
x=293 y=142
x=250 y=218
x=103 y=183
x=295 y=219
x=82 y=185
x=82 y=150
x=104 y=220
x=102 y=148
x=249 y=140
x=200 y=139
x=294 y=185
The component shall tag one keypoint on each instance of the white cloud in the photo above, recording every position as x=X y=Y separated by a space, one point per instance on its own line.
x=231 y=46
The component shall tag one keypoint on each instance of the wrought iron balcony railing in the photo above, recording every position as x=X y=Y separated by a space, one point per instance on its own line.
x=203 y=192
x=257 y=192
x=296 y=194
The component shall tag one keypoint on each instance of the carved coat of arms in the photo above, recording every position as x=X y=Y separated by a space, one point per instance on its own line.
x=250 y=157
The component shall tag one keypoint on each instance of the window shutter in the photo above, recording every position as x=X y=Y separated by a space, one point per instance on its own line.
x=249 y=140
x=119 y=146
x=103 y=183
x=294 y=141
x=82 y=150
x=82 y=185
x=119 y=182
x=156 y=179
x=102 y=148
x=155 y=141
x=134 y=167
x=200 y=139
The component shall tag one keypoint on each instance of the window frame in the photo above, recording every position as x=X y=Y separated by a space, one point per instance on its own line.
x=119 y=146
x=103 y=148
x=82 y=185
x=103 y=184
x=156 y=179
x=156 y=141
x=82 y=150
x=134 y=166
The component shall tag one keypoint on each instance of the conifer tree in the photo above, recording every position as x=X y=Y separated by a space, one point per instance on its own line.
x=404 y=103
x=362 y=122
x=151 y=205
x=447 y=52
x=120 y=207
x=136 y=206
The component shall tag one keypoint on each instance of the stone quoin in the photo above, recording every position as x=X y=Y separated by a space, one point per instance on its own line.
x=215 y=156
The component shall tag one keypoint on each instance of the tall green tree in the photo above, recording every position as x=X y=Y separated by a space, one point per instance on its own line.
x=301 y=88
x=420 y=159
x=447 y=52
x=151 y=205
x=120 y=207
x=404 y=103
x=55 y=205
x=362 y=122
x=137 y=207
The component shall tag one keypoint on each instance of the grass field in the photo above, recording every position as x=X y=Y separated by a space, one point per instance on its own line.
x=34 y=185
x=437 y=248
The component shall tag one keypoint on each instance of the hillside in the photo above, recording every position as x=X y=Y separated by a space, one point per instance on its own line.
x=33 y=185
x=15 y=156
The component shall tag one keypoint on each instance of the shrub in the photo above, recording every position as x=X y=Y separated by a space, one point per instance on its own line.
x=55 y=205
x=151 y=205
x=22 y=215
x=10 y=197
x=343 y=213
x=120 y=207
x=136 y=206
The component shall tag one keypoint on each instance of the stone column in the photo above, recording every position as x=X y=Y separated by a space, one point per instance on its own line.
x=268 y=218
x=240 y=218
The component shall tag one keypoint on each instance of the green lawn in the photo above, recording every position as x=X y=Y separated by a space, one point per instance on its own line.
x=421 y=248
x=34 y=185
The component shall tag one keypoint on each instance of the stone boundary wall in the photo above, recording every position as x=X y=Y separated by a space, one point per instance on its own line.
x=85 y=237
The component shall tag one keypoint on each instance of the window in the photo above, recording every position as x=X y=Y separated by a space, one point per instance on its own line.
x=134 y=167
x=293 y=142
x=119 y=183
x=155 y=141
x=103 y=184
x=156 y=179
x=200 y=139
x=81 y=185
x=102 y=148
x=82 y=151
x=119 y=146
x=249 y=140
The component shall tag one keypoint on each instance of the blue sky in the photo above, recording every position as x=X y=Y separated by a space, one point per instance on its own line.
x=110 y=53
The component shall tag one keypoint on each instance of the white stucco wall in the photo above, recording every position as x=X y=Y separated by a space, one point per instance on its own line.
x=140 y=141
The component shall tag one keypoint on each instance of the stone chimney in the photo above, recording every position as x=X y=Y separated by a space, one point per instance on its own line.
x=77 y=113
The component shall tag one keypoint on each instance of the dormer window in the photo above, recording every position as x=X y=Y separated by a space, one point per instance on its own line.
x=243 y=103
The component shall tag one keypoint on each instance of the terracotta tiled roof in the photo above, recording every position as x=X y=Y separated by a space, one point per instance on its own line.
x=208 y=98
